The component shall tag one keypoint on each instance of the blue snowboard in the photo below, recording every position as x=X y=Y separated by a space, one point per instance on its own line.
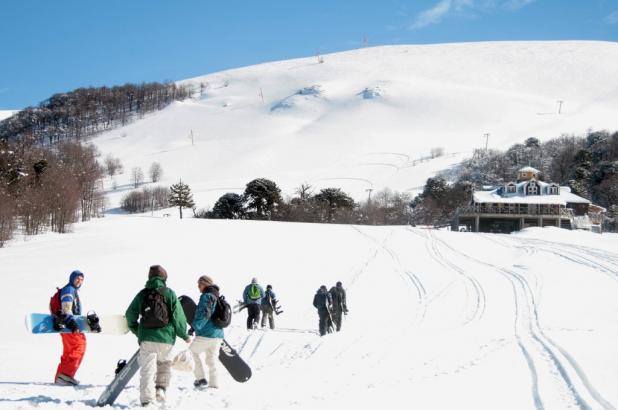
x=38 y=323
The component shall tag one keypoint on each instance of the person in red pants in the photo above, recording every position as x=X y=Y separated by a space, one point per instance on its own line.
x=74 y=343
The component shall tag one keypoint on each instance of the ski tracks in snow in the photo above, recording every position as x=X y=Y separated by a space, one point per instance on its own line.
x=543 y=355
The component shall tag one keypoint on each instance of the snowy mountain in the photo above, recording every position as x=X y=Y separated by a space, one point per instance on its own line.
x=438 y=320
x=367 y=118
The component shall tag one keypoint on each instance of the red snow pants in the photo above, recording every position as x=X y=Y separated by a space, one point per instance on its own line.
x=74 y=347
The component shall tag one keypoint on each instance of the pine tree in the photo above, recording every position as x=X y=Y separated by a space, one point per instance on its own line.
x=181 y=196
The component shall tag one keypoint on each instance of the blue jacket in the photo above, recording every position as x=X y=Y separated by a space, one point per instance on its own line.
x=247 y=300
x=202 y=324
x=265 y=299
x=69 y=297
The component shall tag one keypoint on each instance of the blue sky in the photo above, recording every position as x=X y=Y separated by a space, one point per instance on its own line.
x=56 y=46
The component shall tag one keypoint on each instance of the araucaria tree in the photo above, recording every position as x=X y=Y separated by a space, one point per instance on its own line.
x=262 y=197
x=181 y=196
x=333 y=201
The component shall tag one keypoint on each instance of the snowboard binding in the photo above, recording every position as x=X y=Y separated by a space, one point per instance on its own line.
x=93 y=322
x=120 y=365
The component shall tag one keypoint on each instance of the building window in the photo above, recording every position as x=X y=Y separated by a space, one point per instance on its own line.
x=511 y=189
x=553 y=190
x=532 y=189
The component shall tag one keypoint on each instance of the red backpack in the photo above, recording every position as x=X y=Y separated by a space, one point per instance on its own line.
x=55 y=306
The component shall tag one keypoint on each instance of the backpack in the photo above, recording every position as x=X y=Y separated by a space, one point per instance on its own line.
x=55 y=306
x=254 y=292
x=222 y=316
x=155 y=312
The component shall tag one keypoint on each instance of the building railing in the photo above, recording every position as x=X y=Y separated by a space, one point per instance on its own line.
x=517 y=209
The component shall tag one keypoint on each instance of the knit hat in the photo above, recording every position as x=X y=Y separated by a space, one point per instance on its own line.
x=323 y=287
x=269 y=287
x=74 y=275
x=254 y=280
x=339 y=284
x=206 y=280
x=157 y=271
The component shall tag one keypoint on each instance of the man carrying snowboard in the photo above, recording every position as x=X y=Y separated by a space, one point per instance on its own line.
x=208 y=336
x=252 y=298
x=268 y=307
x=323 y=302
x=74 y=343
x=161 y=320
x=340 y=306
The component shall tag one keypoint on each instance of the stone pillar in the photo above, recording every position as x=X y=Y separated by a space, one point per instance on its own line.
x=540 y=221
x=477 y=223
x=522 y=223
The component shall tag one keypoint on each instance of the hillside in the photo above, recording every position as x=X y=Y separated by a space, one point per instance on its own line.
x=368 y=118
x=438 y=320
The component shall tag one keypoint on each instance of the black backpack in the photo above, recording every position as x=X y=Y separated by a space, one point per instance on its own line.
x=155 y=312
x=222 y=316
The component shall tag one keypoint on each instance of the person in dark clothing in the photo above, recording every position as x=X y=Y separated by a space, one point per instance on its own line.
x=268 y=307
x=252 y=298
x=340 y=307
x=323 y=301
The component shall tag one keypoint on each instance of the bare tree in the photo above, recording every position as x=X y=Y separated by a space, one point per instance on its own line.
x=113 y=165
x=7 y=216
x=137 y=176
x=155 y=172
x=437 y=152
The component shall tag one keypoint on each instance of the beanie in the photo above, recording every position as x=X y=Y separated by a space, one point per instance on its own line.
x=157 y=271
x=206 y=280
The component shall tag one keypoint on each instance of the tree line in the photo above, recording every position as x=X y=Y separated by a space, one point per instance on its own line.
x=587 y=164
x=262 y=200
x=48 y=188
x=84 y=112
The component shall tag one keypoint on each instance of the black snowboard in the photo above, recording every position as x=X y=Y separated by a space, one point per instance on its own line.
x=228 y=356
x=123 y=375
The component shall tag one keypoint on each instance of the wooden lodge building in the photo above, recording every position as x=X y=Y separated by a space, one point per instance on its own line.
x=525 y=203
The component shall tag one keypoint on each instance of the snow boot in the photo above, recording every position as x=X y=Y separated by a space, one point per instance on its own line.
x=160 y=394
x=67 y=379
x=200 y=384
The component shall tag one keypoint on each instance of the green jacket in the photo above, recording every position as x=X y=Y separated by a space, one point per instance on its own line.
x=177 y=325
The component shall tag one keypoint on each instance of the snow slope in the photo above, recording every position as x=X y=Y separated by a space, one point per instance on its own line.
x=365 y=118
x=6 y=114
x=438 y=320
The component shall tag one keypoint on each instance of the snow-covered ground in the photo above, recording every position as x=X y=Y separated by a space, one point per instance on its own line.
x=366 y=118
x=6 y=114
x=438 y=320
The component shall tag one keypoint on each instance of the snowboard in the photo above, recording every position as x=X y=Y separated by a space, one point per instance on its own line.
x=240 y=305
x=39 y=323
x=124 y=372
x=228 y=356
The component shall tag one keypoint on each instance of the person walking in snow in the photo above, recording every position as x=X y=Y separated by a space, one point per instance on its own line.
x=74 y=343
x=156 y=317
x=340 y=307
x=323 y=302
x=269 y=302
x=252 y=298
x=208 y=336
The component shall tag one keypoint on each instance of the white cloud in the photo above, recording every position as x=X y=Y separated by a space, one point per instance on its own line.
x=611 y=18
x=432 y=15
x=443 y=8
